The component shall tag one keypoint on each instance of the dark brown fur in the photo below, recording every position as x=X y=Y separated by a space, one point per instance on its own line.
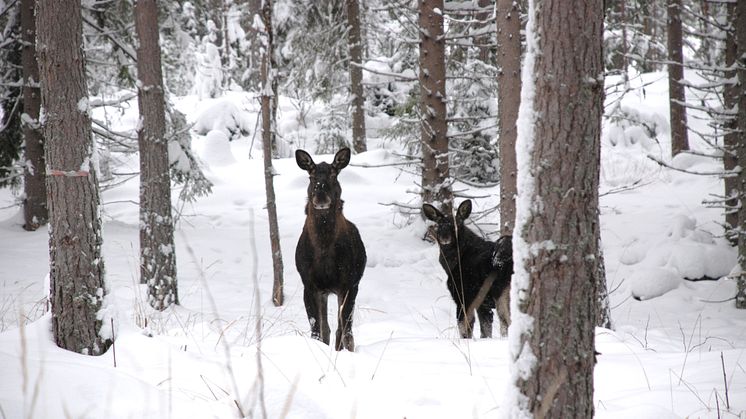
x=330 y=256
x=478 y=270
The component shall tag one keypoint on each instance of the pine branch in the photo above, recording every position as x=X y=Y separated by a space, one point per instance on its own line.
x=126 y=49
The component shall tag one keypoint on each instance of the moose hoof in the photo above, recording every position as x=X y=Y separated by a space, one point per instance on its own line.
x=347 y=342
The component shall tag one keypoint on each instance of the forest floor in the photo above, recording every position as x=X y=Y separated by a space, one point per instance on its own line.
x=677 y=348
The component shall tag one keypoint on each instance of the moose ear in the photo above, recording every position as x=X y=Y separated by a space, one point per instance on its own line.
x=304 y=160
x=464 y=210
x=341 y=159
x=431 y=213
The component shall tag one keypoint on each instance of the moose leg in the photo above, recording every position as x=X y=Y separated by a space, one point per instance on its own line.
x=325 y=333
x=484 y=312
x=315 y=303
x=465 y=323
x=503 y=311
x=344 y=338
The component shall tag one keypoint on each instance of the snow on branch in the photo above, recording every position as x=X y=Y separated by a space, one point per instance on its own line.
x=399 y=76
x=721 y=173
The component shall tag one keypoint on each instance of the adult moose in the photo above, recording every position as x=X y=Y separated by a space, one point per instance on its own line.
x=476 y=269
x=330 y=256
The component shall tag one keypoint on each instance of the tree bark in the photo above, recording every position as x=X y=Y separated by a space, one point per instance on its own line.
x=676 y=94
x=482 y=42
x=252 y=81
x=268 y=138
x=355 y=48
x=76 y=264
x=557 y=232
x=508 y=21
x=35 y=212
x=436 y=187
x=740 y=26
x=157 y=251
x=730 y=139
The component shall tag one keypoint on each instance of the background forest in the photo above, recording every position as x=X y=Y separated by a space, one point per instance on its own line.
x=150 y=205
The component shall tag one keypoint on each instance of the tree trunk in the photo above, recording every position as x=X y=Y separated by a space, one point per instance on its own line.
x=617 y=22
x=268 y=137
x=508 y=20
x=740 y=26
x=436 y=187
x=76 y=266
x=355 y=47
x=218 y=15
x=676 y=94
x=252 y=80
x=730 y=139
x=646 y=11
x=557 y=231
x=35 y=211
x=482 y=41
x=157 y=251
x=11 y=133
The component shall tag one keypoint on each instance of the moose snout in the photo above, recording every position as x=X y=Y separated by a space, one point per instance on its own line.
x=322 y=202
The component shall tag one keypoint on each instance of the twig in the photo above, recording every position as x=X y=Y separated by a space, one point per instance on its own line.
x=208 y=386
x=723 y=173
x=381 y=357
x=372 y=166
x=690 y=388
x=257 y=304
x=113 y=343
x=214 y=307
x=725 y=381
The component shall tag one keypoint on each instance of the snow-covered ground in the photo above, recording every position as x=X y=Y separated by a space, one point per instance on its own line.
x=678 y=348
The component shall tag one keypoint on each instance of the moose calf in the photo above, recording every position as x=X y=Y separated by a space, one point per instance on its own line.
x=476 y=269
x=330 y=255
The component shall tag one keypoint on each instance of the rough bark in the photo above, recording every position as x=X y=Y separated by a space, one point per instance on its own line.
x=436 y=188
x=676 y=94
x=740 y=25
x=76 y=265
x=508 y=20
x=35 y=212
x=268 y=138
x=560 y=224
x=355 y=48
x=730 y=139
x=157 y=251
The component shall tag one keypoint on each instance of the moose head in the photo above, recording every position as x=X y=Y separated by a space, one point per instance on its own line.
x=324 y=191
x=448 y=227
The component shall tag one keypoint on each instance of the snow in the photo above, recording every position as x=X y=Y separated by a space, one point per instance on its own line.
x=674 y=340
x=225 y=116
x=522 y=323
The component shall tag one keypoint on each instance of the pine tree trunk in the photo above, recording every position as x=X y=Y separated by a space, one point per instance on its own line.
x=557 y=245
x=740 y=26
x=252 y=80
x=676 y=94
x=157 y=251
x=482 y=42
x=35 y=211
x=730 y=139
x=218 y=15
x=508 y=101
x=436 y=186
x=355 y=47
x=647 y=30
x=268 y=137
x=76 y=265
